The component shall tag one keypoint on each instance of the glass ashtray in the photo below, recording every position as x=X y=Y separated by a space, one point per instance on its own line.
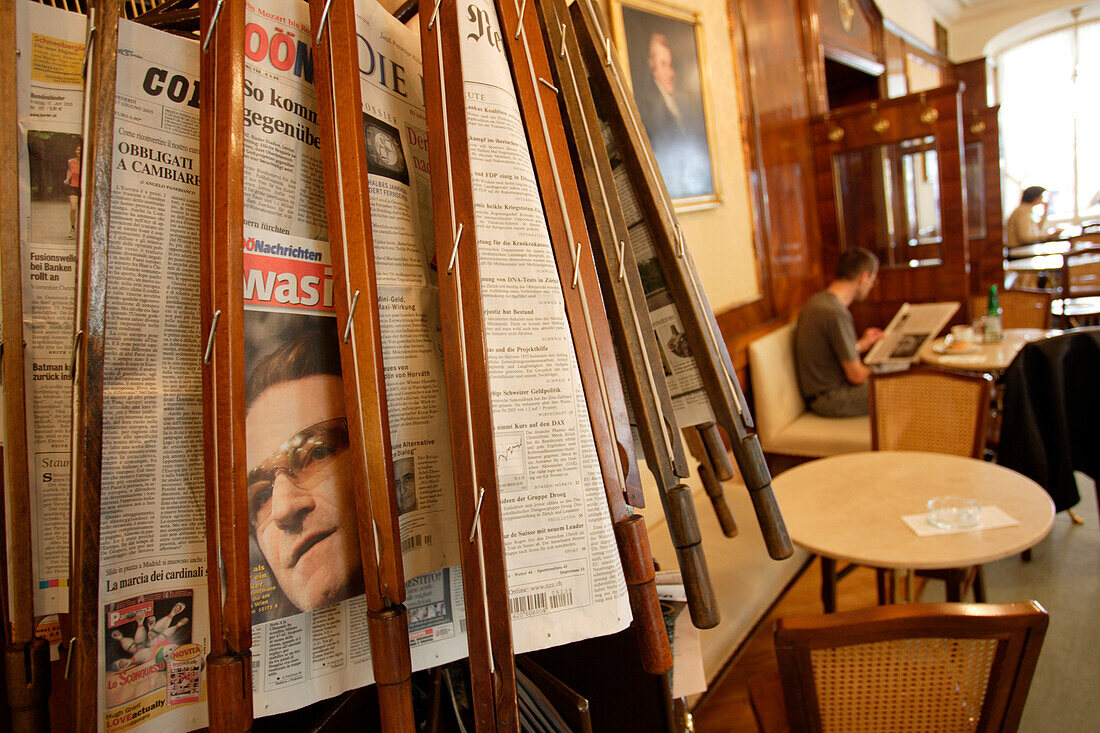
x=954 y=512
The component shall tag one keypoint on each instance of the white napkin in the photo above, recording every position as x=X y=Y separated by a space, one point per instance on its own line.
x=992 y=518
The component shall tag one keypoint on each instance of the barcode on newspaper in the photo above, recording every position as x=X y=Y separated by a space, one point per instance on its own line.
x=462 y=626
x=542 y=601
x=411 y=543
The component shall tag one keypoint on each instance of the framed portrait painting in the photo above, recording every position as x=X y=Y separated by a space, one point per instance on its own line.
x=663 y=49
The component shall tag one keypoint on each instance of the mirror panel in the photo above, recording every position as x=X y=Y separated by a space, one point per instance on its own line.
x=889 y=201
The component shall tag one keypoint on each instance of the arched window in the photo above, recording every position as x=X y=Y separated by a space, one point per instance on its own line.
x=1049 y=89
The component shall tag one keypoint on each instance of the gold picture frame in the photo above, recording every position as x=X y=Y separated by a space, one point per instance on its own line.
x=663 y=56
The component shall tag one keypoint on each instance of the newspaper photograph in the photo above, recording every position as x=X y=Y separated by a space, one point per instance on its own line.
x=908 y=330
x=155 y=632
x=685 y=384
x=564 y=578
x=51 y=183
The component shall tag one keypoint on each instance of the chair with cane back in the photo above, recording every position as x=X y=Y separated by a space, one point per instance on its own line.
x=1020 y=307
x=934 y=666
x=926 y=409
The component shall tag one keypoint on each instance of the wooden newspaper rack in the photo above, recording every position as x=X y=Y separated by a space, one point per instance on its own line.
x=554 y=53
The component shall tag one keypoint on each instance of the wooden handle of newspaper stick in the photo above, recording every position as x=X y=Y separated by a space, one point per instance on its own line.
x=649 y=623
x=389 y=637
x=715 y=491
x=754 y=471
x=717 y=498
x=687 y=538
x=716 y=451
x=229 y=681
x=27 y=673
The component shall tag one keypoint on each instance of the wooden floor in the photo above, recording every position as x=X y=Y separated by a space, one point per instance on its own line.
x=725 y=706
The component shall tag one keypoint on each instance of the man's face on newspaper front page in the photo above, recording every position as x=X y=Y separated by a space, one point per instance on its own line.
x=300 y=501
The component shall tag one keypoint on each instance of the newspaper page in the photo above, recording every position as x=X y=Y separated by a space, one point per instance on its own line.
x=309 y=615
x=565 y=581
x=690 y=402
x=50 y=107
x=911 y=326
x=155 y=629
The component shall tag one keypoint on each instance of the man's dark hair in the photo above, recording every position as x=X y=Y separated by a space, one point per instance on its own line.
x=855 y=261
x=303 y=356
x=1032 y=194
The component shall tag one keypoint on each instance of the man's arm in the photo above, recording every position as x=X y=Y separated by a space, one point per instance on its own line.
x=855 y=371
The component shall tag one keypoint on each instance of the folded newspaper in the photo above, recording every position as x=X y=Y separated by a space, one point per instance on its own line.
x=910 y=328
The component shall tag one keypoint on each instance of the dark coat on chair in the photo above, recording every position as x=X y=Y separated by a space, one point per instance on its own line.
x=1051 y=405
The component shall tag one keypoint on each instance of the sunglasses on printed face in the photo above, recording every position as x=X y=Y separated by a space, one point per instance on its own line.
x=305 y=459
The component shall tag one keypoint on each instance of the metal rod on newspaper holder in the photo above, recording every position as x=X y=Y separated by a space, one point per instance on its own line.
x=477 y=516
x=323 y=24
x=351 y=315
x=454 y=250
x=210 y=338
x=210 y=28
x=519 y=21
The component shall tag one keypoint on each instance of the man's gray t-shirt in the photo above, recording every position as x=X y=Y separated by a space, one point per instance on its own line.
x=824 y=337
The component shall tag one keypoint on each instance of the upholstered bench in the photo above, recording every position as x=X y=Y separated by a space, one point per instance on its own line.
x=784 y=423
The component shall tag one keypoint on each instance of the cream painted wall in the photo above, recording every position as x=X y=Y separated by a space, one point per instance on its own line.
x=973 y=29
x=914 y=17
x=720 y=238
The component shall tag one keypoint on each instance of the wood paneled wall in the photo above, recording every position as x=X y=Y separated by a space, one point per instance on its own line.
x=768 y=37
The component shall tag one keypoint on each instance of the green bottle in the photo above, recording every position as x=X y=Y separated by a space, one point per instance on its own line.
x=992 y=330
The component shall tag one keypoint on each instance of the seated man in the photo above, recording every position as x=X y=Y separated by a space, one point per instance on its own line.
x=1021 y=227
x=831 y=375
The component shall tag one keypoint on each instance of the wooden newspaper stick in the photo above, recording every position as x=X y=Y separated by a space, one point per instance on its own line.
x=701 y=329
x=481 y=547
x=222 y=224
x=339 y=98
x=717 y=496
x=592 y=342
x=693 y=436
x=716 y=451
x=627 y=309
x=90 y=318
x=26 y=656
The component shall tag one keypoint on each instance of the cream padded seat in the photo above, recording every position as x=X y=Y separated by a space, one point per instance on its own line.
x=783 y=422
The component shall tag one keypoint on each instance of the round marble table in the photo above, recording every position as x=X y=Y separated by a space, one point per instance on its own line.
x=985 y=357
x=849 y=507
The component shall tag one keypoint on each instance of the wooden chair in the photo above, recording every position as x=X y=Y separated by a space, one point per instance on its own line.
x=1020 y=307
x=918 y=667
x=938 y=411
x=1079 y=289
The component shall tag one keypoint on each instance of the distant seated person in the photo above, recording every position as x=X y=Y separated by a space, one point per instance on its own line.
x=1021 y=227
x=831 y=375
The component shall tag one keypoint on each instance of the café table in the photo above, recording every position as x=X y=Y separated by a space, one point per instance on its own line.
x=992 y=358
x=849 y=508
